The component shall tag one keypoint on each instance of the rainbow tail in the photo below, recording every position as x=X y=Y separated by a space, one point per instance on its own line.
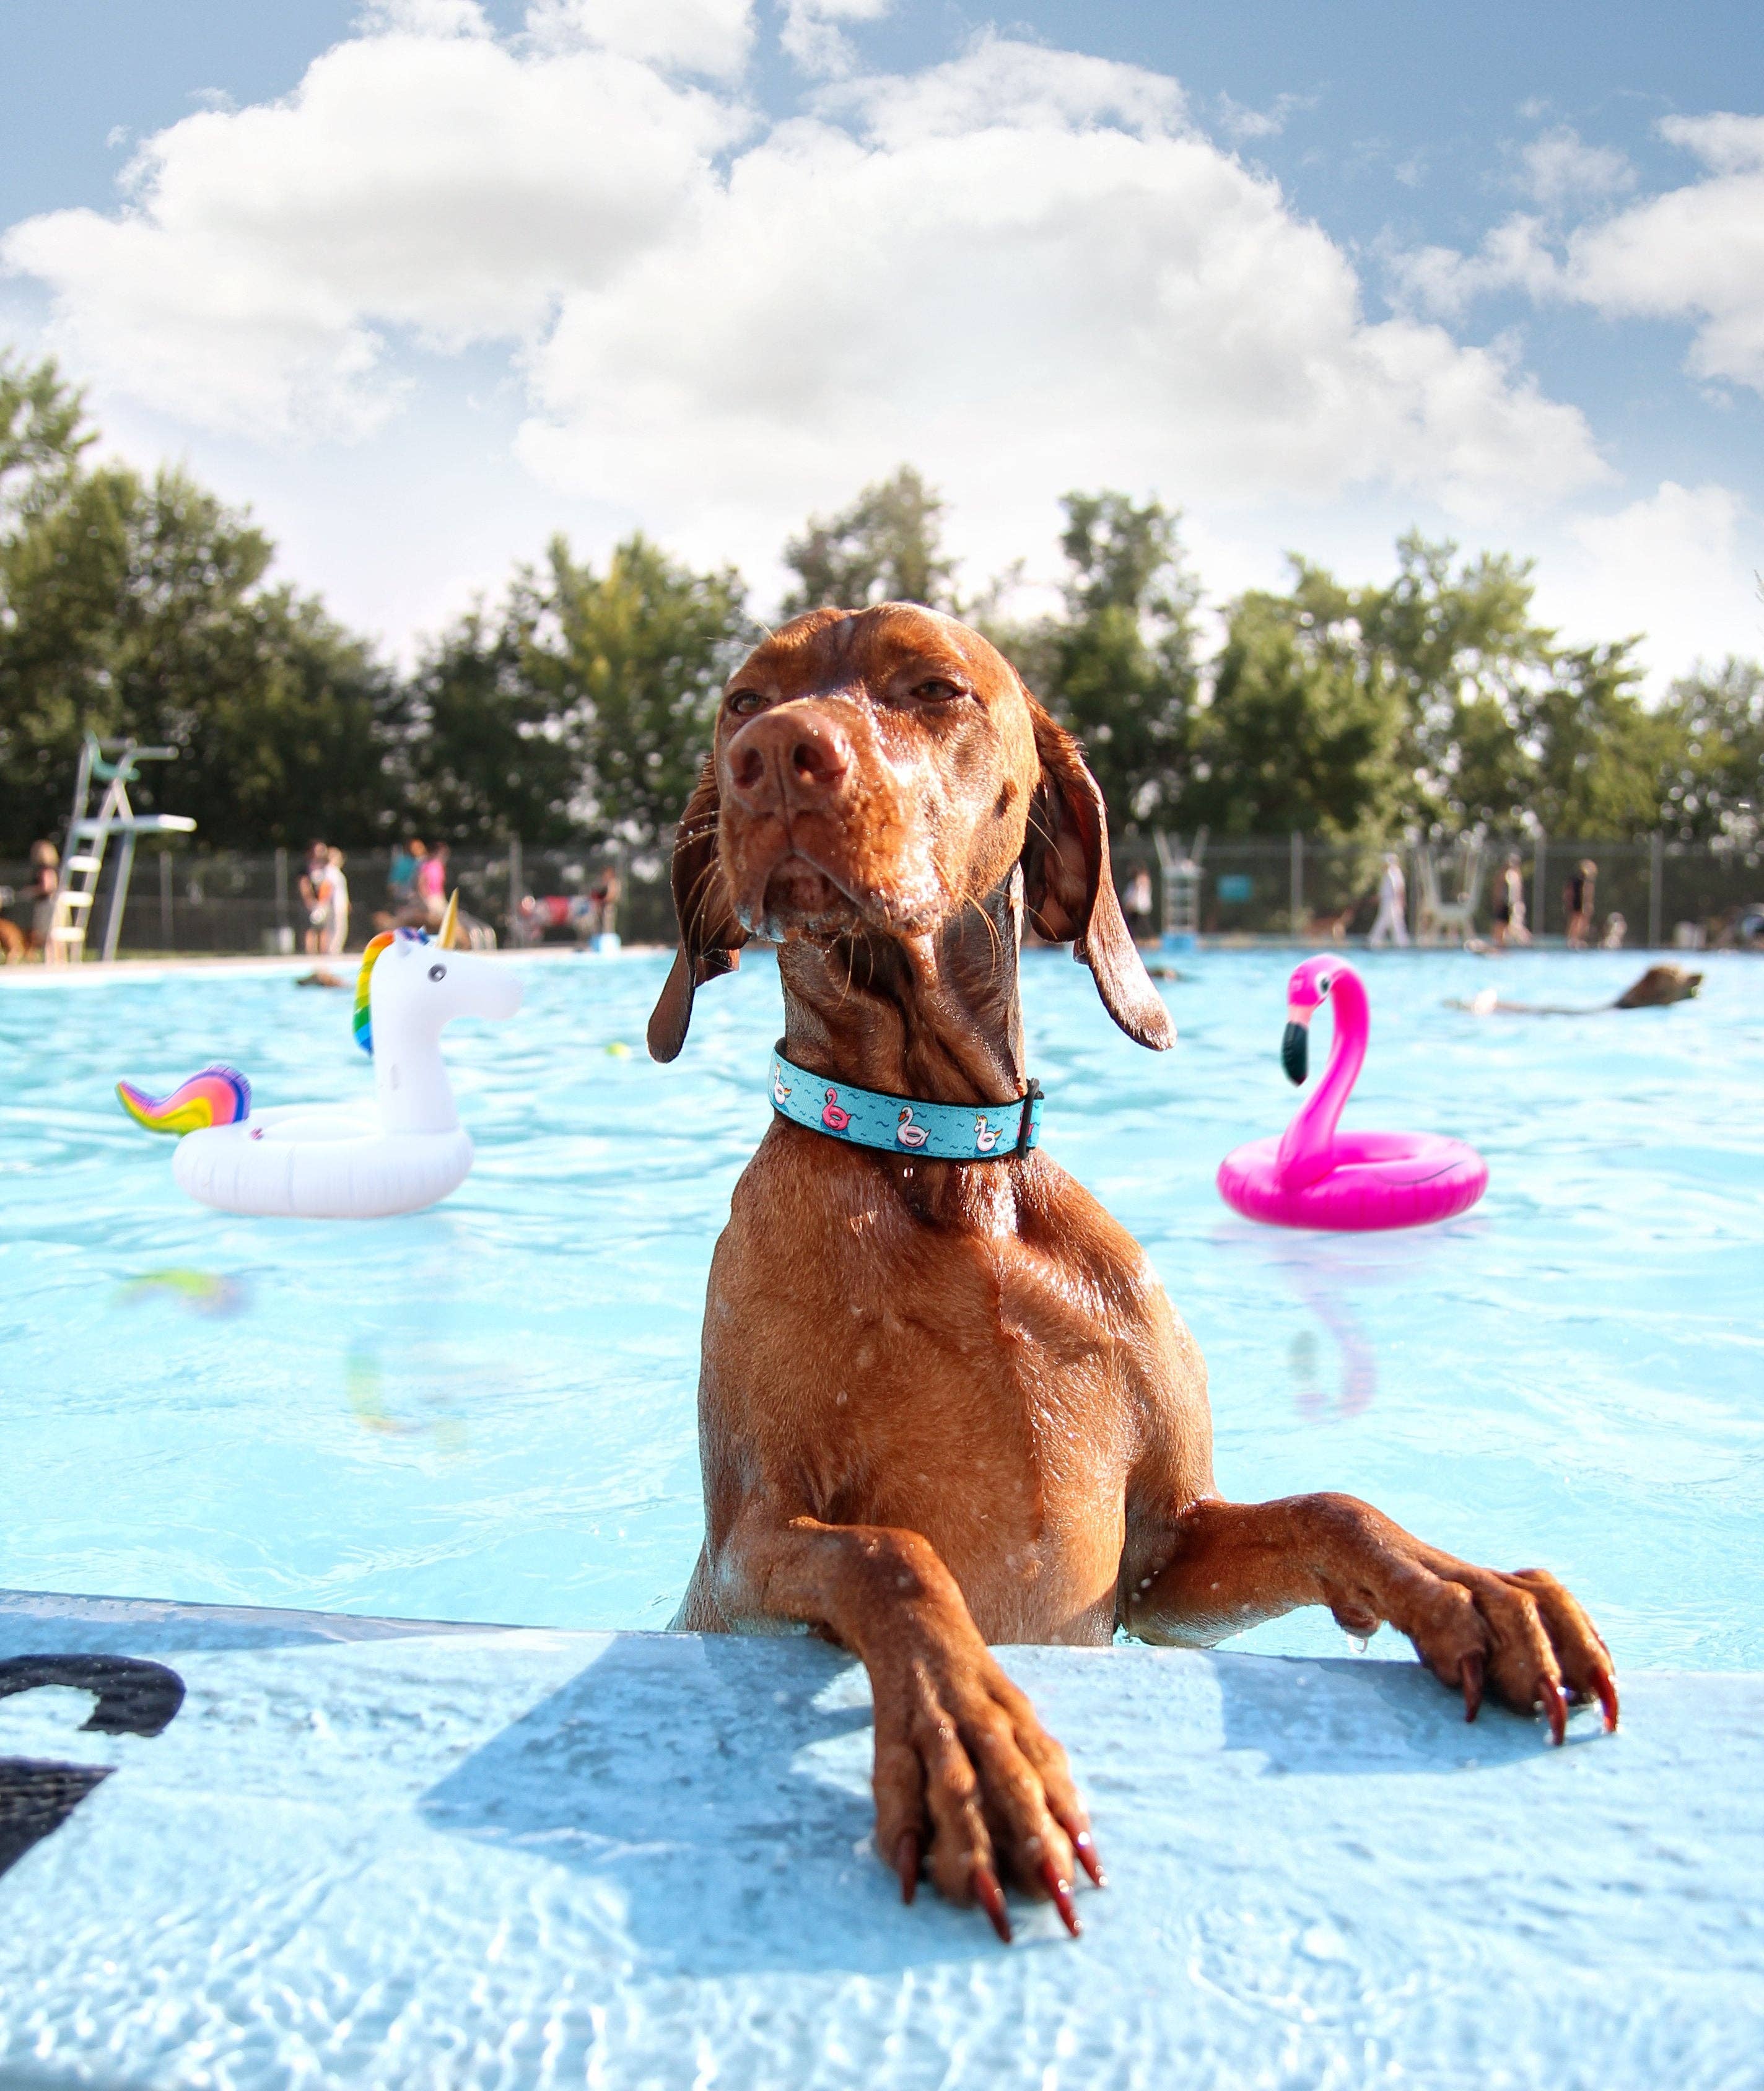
x=218 y=1096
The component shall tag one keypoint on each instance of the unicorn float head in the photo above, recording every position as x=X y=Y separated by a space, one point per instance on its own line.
x=338 y=1160
x=409 y=986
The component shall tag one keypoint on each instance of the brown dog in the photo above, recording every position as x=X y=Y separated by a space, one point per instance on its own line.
x=947 y=1404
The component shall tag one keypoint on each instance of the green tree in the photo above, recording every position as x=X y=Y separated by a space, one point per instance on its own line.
x=1120 y=669
x=632 y=663
x=1436 y=700
x=1305 y=726
x=1715 y=785
x=886 y=547
x=1464 y=652
x=135 y=607
x=1601 y=759
x=484 y=758
x=43 y=433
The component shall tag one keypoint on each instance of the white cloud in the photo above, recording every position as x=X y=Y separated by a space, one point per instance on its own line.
x=1025 y=274
x=1237 y=121
x=1674 y=563
x=1024 y=270
x=432 y=181
x=1514 y=255
x=811 y=36
x=1001 y=86
x=1695 y=253
x=1558 y=167
x=426 y=18
x=711 y=37
x=1731 y=144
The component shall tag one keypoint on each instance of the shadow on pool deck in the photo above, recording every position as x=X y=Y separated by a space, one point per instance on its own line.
x=725 y=1803
x=367 y=1854
x=1379 y=1718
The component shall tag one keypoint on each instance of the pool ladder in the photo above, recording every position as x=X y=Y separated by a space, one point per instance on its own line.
x=89 y=835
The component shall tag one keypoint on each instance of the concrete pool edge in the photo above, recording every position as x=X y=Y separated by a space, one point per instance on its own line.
x=383 y=1850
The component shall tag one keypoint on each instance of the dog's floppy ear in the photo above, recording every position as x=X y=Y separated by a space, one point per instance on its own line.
x=710 y=937
x=1068 y=889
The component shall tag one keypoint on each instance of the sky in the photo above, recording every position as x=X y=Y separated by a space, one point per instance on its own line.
x=423 y=282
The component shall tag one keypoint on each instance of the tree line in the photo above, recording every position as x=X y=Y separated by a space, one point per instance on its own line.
x=576 y=707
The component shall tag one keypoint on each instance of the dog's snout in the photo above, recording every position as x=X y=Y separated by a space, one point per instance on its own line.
x=818 y=759
x=788 y=759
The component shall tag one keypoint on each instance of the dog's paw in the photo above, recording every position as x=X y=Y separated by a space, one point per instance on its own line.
x=1521 y=1636
x=971 y=1787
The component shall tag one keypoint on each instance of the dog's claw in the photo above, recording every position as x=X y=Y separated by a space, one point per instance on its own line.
x=1606 y=1685
x=1085 y=1845
x=1556 y=1709
x=1470 y=1677
x=990 y=1897
x=907 y=1857
x=1059 y=1894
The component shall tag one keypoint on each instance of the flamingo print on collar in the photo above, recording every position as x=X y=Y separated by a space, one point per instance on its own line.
x=903 y=1125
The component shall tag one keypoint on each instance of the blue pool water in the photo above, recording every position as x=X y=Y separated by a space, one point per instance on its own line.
x=486 y=1413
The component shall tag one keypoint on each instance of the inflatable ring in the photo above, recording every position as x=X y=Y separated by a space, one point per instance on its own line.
x=1313 y=1176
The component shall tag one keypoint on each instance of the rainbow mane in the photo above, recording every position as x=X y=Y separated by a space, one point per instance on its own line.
x=362 y=1021
x=218 y=1096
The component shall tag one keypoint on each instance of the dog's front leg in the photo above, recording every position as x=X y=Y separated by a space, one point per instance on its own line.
x=1219 y=1567
x=967 y=1780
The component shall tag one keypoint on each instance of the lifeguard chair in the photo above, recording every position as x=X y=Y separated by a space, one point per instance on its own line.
x=1441 y=918
x=112 y=764
x=1179 y=870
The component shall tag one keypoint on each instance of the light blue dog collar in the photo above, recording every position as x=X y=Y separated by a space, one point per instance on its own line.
x=903 y=1125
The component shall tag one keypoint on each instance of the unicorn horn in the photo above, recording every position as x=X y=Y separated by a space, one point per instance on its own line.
x=450 y=925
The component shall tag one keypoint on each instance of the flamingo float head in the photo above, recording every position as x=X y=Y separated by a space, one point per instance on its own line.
x=1305 y=993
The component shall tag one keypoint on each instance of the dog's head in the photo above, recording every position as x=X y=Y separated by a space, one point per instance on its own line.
x=875 y=773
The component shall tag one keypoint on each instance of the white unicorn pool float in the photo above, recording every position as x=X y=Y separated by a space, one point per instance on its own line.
x=341 y=1162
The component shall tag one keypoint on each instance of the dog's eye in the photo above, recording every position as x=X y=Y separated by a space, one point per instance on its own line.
x=935 y=690
x=743 y=703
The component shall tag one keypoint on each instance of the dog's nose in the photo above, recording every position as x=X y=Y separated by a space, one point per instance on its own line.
x=788 y=759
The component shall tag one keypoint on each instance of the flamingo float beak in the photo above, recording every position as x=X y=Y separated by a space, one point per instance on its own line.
x=1295 y=1045
x=450 y=923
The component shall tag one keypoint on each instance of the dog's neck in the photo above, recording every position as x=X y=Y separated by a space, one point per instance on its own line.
x=935 y=1017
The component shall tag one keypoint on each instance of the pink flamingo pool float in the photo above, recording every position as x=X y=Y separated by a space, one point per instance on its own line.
x=1312 y=1176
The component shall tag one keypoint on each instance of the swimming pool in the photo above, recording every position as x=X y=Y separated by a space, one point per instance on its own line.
x=486 y=1413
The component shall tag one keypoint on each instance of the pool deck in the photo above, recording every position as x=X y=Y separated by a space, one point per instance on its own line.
x=382 y=1853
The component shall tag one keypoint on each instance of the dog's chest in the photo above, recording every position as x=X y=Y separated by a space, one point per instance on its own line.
x=977 y=1402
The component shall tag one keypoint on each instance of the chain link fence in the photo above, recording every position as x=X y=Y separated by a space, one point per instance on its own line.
x=188 y=901
x=224 y=902
x=1667 y=894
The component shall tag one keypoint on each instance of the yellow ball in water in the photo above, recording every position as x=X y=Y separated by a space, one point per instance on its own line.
x=619 y=1050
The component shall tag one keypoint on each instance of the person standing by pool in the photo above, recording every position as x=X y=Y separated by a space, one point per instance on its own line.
x=1577 y=902
x=312 y=897
x=1135 y=904
x=1509 y=905
x=432 y=885
x=401 y=876
x=333 y=895
x=1390 y=927
x=603 y=902
x=45 y=882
